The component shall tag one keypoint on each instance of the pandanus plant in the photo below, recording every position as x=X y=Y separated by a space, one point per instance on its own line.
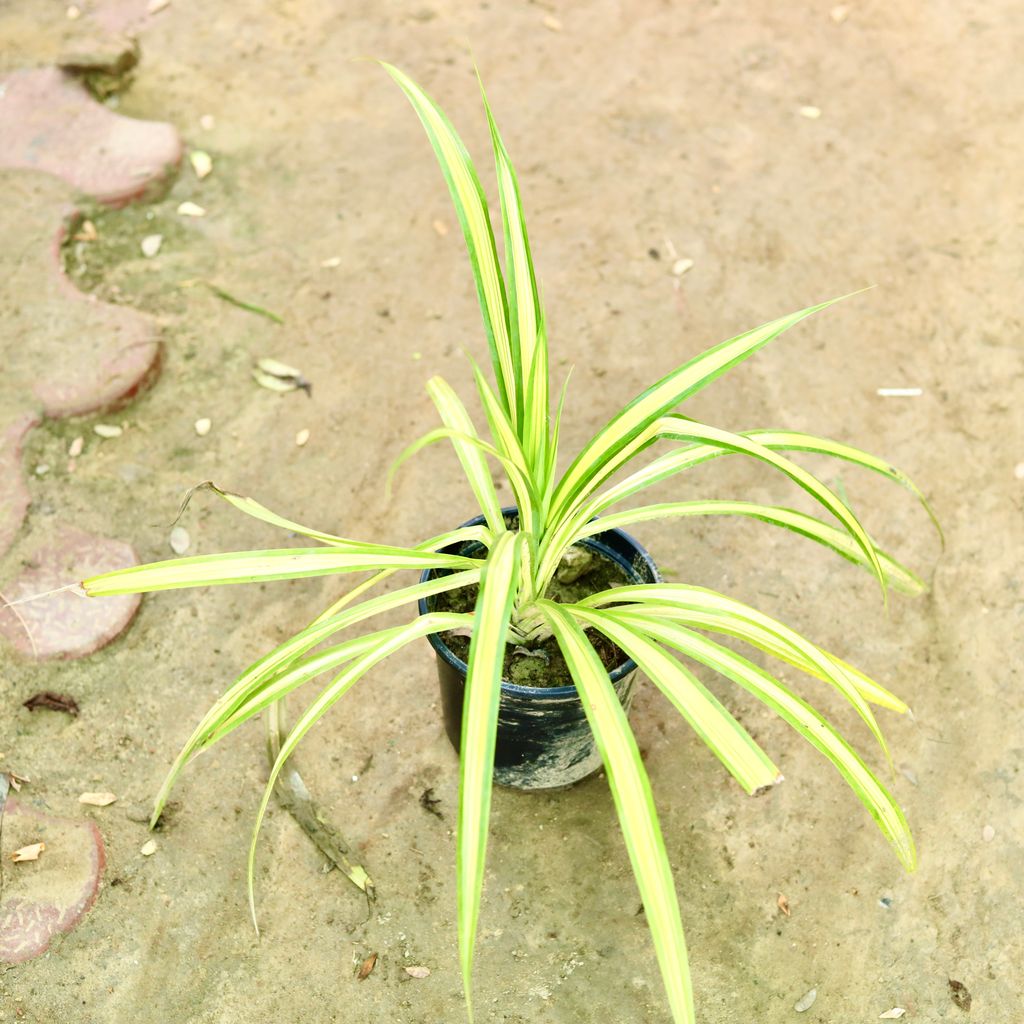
x=513 y=568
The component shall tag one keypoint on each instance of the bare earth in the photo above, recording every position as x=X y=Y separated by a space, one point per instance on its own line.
x=637 y=129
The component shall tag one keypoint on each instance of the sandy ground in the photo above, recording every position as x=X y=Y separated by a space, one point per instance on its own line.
x=636 y=128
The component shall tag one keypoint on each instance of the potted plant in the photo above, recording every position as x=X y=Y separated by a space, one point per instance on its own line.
x=539 y=613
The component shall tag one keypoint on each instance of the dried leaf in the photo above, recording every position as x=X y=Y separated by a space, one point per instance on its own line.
x=97 y=799
x=960 y=995
x=201 y=163
x=277 y=368
x=52 y=702
x=783 y=905
x=278 y=376
x=418 y=972
x=367 y=966
x=28 y=853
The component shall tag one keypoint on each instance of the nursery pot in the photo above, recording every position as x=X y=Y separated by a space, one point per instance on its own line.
x=544 y=740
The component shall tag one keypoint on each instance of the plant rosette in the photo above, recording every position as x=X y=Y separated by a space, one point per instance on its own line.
x=514 y=567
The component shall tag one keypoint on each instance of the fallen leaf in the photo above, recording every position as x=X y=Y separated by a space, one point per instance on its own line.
x=190 y=209
x=894 y=1014
x=52 y=702
x=28 y=852
x=148 y=848
x=150 y=245
x=367 y=966
x=97 y=799
x=418 y=972
x=806 y=1001
x=277 y=376
x=960 y=995
x=201 y=163
x=783 y=905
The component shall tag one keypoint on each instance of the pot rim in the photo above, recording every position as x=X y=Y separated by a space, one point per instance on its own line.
x=549 y=692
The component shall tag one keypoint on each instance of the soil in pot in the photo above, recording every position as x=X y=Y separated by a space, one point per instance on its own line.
x=582 y=572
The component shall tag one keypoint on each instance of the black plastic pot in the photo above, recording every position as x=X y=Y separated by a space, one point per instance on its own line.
x=544 y=740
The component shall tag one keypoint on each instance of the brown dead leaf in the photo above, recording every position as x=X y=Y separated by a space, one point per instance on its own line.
x=783 y=905
x=28 y=852
x=367 y=966
x=418 y=972
x=960 y=995
x=53 y=702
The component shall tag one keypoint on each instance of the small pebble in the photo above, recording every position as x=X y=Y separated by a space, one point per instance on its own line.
x=108 y=430
x=202 y=426
x=811 y=113
x=76 y=446
x=150 y=245
x=201 y=163
x=42 y=469
x=190 y=209
x=418 y=972
x=806 y=1001
x=179 y=540
x=680 y=267
x=302 y=437
x=988 y=833
x=148 y=848
x=885 y=902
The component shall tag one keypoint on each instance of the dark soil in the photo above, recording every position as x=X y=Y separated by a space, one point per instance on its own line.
x=544 y=665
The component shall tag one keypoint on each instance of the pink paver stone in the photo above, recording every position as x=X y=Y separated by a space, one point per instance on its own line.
x=14 y=497
x=49 y=122
x=67 y=624
x=44 y=898
x=74 y=354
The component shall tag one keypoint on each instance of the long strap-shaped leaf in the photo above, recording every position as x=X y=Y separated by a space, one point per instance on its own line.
x=471 y=209
x=897 y=575
x=799 y=714
x=713 y=723
x=634 y=803
x=454 y=415
x=525 y=314
x=498 y=582
x=704 y=608
x=420 y=627
x=681 y=428
x=256 y=566
x=285 y=656
x=657 y=400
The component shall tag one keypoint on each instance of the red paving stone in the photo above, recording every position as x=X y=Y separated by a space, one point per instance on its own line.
x=74 y=354
x=14 y=497
x=67 y=624
x=42 y=899
x=49 y=122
